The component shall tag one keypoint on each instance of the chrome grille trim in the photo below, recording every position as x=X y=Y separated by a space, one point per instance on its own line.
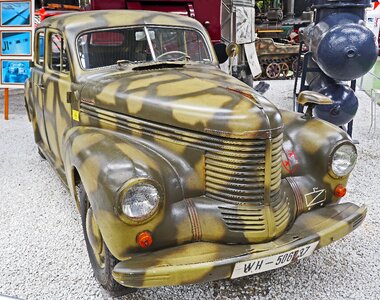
x=247 y=218
x=242 y=179
x=242 y=184
x=233 y=148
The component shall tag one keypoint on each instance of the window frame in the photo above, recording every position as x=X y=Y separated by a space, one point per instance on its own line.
x=36 y=57
x=48 y=64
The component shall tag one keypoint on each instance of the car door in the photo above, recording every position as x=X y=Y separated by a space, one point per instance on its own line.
x=38 y=92
x=56 y=83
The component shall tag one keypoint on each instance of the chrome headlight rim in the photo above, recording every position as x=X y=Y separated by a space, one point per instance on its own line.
x=121 y=196
x=331 y=157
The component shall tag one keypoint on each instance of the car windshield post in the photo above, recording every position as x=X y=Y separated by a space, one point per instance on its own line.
x=150 y=44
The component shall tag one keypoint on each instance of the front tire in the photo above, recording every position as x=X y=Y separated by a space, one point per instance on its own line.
x=101 y=259
x=41 y=154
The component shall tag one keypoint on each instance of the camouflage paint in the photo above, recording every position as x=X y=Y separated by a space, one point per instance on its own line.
x=214 y=146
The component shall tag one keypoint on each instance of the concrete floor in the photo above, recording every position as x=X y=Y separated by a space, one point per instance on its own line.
x=43 y=256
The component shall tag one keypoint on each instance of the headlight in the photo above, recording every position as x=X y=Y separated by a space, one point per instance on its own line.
x=343 y=159
x=139 y=199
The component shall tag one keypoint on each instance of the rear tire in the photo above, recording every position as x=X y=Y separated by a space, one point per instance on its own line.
x=102 y=261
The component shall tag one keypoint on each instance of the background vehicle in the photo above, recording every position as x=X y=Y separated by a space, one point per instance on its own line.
x=229 y=23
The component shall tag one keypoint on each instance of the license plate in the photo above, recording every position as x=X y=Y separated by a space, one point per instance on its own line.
x=263 y=264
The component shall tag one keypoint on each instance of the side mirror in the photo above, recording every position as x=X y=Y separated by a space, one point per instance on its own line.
x=233 y=50
x=312 y=99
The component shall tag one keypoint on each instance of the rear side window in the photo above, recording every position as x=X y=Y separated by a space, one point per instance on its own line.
x=58 y=59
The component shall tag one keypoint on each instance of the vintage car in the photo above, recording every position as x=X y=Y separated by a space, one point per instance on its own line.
x=181 y=173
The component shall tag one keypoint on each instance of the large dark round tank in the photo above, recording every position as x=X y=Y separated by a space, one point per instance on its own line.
x=347 y=50
x=344 y=107
x=342 y=46
x=345 y=103
x=341 y=49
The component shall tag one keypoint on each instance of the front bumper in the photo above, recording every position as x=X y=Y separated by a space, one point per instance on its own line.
x=203 y=261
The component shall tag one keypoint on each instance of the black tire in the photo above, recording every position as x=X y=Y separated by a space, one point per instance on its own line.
x=102 y=273
x=41 y=154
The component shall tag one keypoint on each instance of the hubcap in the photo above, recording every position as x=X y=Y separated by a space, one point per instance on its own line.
x=273 y=70
x=95 y=238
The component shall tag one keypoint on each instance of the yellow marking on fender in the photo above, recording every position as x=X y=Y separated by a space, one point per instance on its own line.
x=75 y=115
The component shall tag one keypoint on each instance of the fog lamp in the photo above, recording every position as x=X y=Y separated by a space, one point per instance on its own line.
x=144 y=239
x=340 y=191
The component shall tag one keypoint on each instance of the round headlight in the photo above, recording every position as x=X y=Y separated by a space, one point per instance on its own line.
x=139 y=200
x=343 y=159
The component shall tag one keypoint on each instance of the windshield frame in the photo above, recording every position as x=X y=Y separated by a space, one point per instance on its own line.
x=145 y=27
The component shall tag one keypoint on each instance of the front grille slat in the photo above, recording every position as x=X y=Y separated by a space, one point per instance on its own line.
x=214 y=175
x=234 y=197
x=233 y=167
x=230 y=184
x=226 y=159
x=244 y=192
x=247 y=228
x=233 y=173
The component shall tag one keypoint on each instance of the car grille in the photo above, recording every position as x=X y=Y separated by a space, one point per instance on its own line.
x=238 y=178
x=239 y=175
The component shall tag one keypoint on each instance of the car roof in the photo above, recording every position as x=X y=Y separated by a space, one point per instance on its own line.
x=77 y=22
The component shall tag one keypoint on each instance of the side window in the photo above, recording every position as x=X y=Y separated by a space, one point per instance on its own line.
x=58 y=58
x=39 y=55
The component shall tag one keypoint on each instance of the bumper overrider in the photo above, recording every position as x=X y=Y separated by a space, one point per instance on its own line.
x=203 y=261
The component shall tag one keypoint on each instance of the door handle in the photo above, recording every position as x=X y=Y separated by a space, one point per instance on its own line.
x=41 y=86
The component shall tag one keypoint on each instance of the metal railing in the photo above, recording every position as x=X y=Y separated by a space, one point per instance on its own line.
x=370 y=84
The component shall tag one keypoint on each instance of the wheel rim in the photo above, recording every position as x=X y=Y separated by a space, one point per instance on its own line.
x=273 y=70
x=284 y=69
x=95 y=238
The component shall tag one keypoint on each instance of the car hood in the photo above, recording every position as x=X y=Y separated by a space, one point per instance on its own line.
x=197 y=98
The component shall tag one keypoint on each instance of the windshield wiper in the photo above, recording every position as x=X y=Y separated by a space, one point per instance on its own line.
x=160 y=65
x=122 y=62
x=186 y=58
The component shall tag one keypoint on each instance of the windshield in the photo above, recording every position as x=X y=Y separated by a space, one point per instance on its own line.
x=103 y=48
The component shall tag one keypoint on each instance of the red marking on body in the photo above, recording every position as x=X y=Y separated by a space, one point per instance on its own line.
x=291 y=164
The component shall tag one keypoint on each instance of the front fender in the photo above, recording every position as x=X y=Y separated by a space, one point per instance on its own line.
x=105 y=160
x=307 y=147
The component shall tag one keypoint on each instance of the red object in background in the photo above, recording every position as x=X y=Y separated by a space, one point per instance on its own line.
x=110 y=4
x=107 y=38
x=43 y=13
x=207 y=12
